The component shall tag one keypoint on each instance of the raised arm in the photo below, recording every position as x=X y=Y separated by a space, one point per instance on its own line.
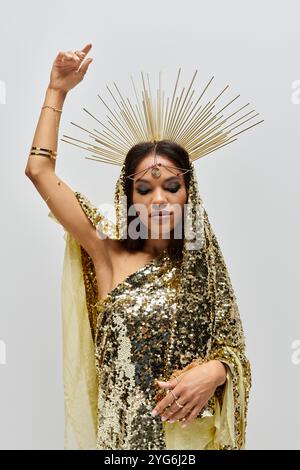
x=67 y=71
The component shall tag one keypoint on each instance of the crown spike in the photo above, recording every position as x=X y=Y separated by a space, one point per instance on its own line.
x=200 y=127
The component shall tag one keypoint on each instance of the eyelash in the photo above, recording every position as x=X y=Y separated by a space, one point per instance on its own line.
x=172 y=190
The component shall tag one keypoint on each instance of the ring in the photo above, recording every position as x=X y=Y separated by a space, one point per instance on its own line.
x=175 y=398
x=178 y=404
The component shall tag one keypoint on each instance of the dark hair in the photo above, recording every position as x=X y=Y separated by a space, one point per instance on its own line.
x=180 y=157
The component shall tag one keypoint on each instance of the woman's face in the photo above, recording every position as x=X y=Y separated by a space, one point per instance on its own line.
x=153 y=196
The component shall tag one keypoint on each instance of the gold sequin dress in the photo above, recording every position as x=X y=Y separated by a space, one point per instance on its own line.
x=159 y=319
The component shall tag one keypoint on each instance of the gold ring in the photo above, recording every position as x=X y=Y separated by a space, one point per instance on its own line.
x=175 y=398
x=178 y=404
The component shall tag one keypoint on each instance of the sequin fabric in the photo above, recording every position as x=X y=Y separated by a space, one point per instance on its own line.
x=159 y=319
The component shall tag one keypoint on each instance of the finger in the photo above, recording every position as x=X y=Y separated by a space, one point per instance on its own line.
x=162 y=404
x=69 y=60
x=72 y=56
x=176 y=412
x=182 y=414
x=63 y=58
x=86 y=49
x=60 y=55
x=192 y=415
x=80 y=54
x=170 y=384
x=85 y=66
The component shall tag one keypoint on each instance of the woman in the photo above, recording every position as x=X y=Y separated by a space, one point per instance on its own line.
x=154 y=351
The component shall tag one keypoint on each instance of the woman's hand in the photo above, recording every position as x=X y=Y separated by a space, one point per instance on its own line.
x=192 y=389
x=69 y=68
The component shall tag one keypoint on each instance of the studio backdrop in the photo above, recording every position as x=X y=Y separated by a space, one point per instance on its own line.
x=250 y=188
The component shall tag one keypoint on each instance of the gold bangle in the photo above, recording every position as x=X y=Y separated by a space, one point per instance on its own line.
x=44 y=150
x=43 y=155
x=56 y=117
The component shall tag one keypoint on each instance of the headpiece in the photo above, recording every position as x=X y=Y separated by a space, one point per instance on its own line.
x=199 y=127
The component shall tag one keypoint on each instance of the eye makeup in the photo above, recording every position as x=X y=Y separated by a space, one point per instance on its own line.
x=172 y=188
x=143 y=189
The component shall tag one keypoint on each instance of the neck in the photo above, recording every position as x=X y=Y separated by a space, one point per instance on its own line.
x=155 y=246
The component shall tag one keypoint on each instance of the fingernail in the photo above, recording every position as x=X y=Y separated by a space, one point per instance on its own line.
x=163 y=418
x=154 y=413
x=171 y=420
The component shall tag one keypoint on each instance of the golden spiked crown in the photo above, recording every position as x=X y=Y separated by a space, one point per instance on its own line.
x=196 y=125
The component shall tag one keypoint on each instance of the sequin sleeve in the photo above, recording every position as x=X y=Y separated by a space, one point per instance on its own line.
x=105 y=228
x=227 y=342
x=98 y=219
x=94 y=214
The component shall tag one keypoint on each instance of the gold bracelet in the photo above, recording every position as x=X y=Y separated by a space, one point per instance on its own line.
x=52 y=107
x=52 y=152
x=43 y=155
x=43 y=152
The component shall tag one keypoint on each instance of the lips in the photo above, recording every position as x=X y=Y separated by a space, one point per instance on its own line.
x=161 y=214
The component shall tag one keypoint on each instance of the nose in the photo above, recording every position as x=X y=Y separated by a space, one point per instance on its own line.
x=159 y=199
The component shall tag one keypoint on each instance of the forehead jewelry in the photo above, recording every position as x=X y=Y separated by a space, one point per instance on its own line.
x=155 y=170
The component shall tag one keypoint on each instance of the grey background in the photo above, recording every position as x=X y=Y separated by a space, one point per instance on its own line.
x=250 y=188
